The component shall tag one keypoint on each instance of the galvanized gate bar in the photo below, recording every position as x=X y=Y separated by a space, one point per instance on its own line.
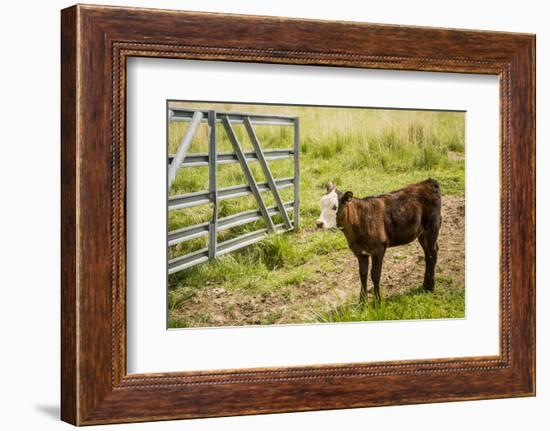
x=213 y=186
x=243 y=190
x=247 y=173
x=242 y=241
x=265 y=121
x=188 y=233
x=185 y=114
x=267 y=172
x=245 y=217
x=296 y=172
x=183 y=147
x=196 y=231
x=200 y=256
x=187 y=261
x=200 y=198
x=182 y=112
x=188 y=200
x=201 y=159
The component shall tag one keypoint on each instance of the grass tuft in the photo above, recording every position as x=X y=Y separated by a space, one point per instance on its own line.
x=415 y=304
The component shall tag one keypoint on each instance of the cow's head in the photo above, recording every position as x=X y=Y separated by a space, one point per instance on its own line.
x=329 y=207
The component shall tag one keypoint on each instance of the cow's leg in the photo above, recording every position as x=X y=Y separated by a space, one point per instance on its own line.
x=376 y=271
x=428 y=241
x=363 y=272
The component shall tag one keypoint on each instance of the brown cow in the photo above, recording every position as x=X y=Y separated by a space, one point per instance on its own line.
x=374 y=223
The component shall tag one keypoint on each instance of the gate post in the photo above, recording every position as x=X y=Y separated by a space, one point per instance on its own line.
x=296 y=173
x=212 y=186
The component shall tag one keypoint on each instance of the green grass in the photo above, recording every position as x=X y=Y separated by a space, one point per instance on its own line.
x=415 y=304
x=368 y=151
x=274 y=263
x=177 y=323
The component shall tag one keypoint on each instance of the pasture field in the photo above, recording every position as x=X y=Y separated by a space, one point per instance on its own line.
x=311 y=275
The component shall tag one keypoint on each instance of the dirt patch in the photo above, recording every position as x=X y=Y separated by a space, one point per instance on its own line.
x=403 y=270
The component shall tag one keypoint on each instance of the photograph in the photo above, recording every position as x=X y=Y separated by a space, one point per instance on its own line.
x=301 y=214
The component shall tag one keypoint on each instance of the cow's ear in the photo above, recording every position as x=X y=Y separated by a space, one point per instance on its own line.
x=347 y=197
x=330 y=187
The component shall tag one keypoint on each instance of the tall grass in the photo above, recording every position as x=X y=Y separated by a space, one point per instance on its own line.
x=387 y=140
x=367 y=151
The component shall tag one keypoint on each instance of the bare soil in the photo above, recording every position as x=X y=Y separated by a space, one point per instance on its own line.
x=403 y=270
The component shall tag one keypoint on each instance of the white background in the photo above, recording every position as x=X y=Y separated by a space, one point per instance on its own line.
x=151 y=348
x=29 y=168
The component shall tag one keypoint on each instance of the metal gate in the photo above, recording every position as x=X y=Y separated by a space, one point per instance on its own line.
x=182 y=160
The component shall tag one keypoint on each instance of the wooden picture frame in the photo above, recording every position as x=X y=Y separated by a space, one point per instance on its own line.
x=95 y=43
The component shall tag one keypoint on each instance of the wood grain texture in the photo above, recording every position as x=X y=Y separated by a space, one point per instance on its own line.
x=69 y=397
x=96 y=41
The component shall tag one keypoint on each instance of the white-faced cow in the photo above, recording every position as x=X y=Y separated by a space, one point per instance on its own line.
x=374 y=223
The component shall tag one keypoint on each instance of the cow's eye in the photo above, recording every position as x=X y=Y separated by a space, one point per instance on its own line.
x=334 y=207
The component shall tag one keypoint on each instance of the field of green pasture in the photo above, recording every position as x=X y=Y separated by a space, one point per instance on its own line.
x=368 y=151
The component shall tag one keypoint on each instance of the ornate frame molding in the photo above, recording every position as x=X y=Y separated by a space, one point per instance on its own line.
x=96 y=41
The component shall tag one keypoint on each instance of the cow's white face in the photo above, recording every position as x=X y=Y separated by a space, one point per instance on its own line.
x=329 y=206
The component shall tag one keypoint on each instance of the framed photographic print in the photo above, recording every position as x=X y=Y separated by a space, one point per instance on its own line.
x=266 y=217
